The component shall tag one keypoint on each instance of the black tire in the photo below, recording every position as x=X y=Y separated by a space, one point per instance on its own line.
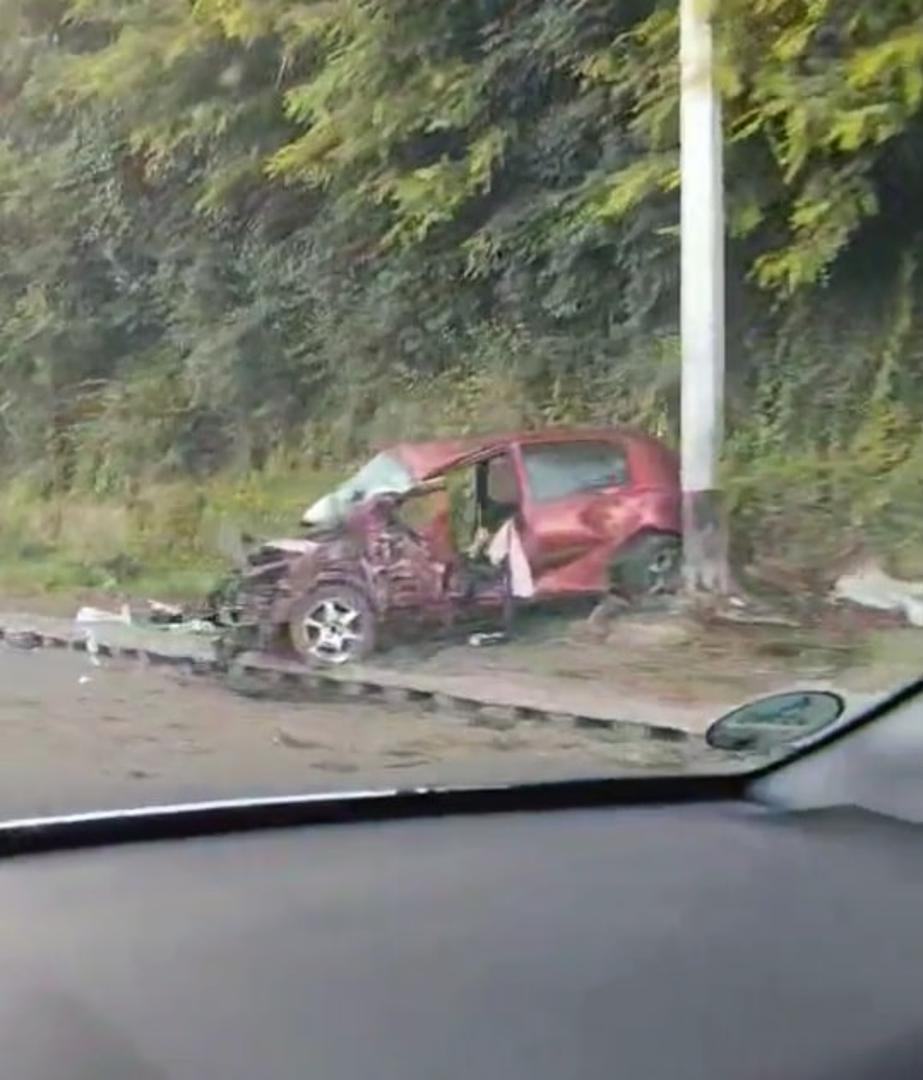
x=651 y=565
x=349 y=617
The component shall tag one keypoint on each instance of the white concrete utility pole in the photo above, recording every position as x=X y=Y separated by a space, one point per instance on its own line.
x=702 y=303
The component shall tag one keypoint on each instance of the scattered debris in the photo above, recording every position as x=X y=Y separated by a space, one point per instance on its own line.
x=93 y=649
x=193 y=626
x=159 y=616
x=868 y=585
x=160 y=613
x=98 y=615
x=480 y=640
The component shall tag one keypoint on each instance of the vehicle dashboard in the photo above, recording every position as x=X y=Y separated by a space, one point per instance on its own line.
x=721 y=938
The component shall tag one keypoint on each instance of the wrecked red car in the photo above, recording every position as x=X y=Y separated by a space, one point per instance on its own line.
x=430 y=533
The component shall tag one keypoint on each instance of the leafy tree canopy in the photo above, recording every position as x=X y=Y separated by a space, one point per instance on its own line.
x=228 y=224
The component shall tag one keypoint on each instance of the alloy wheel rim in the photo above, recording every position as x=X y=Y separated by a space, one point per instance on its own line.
x=333 y=628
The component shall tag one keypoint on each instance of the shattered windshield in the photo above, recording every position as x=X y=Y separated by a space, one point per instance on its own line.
x=253 y=246
x=382 y=475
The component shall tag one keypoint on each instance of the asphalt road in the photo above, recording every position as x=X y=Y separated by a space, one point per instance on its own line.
x=78 y=737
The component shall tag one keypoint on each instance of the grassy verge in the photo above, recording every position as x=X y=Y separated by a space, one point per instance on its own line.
x=167 y=540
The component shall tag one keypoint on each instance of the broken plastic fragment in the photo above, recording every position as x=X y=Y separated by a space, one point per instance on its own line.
x=194 y=626
x=165 y=613
x=869 y=586
x=97 y=615
x=93 y=648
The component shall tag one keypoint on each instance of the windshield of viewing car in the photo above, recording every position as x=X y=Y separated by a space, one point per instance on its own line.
x=249 y=243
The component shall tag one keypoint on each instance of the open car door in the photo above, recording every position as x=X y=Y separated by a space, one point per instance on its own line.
x=483 y=494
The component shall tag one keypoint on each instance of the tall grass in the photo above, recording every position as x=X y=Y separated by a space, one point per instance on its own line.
x=164 y=539
x=805 y=477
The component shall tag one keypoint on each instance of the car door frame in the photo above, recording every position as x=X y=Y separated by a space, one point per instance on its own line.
x=530 y=507
x=485 y=454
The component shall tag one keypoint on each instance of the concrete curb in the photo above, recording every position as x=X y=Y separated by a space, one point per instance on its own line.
x=275 y=672
x=478 y=710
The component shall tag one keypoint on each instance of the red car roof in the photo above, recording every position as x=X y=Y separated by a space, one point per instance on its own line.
x=428 y=459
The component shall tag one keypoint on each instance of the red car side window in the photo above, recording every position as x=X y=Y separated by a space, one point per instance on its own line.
x=558 y=470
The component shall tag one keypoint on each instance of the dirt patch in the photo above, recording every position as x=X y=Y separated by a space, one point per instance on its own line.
x=669 y=668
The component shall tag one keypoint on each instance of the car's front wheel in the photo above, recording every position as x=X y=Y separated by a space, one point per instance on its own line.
x=649 y=566
x=333 y=624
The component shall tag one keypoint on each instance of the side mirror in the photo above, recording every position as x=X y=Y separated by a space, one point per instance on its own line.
x=776 y=722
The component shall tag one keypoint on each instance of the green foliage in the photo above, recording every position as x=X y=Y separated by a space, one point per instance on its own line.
x=235 y=229
x=830 y=452
x=165 y=540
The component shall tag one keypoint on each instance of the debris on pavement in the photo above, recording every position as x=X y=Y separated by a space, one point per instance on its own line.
x=163 y=616
x=160 y=613
x=92 y=648
x=97 y=615
x=480 y=640
x=159 y=616
x=193 y=626
x=868 y=585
